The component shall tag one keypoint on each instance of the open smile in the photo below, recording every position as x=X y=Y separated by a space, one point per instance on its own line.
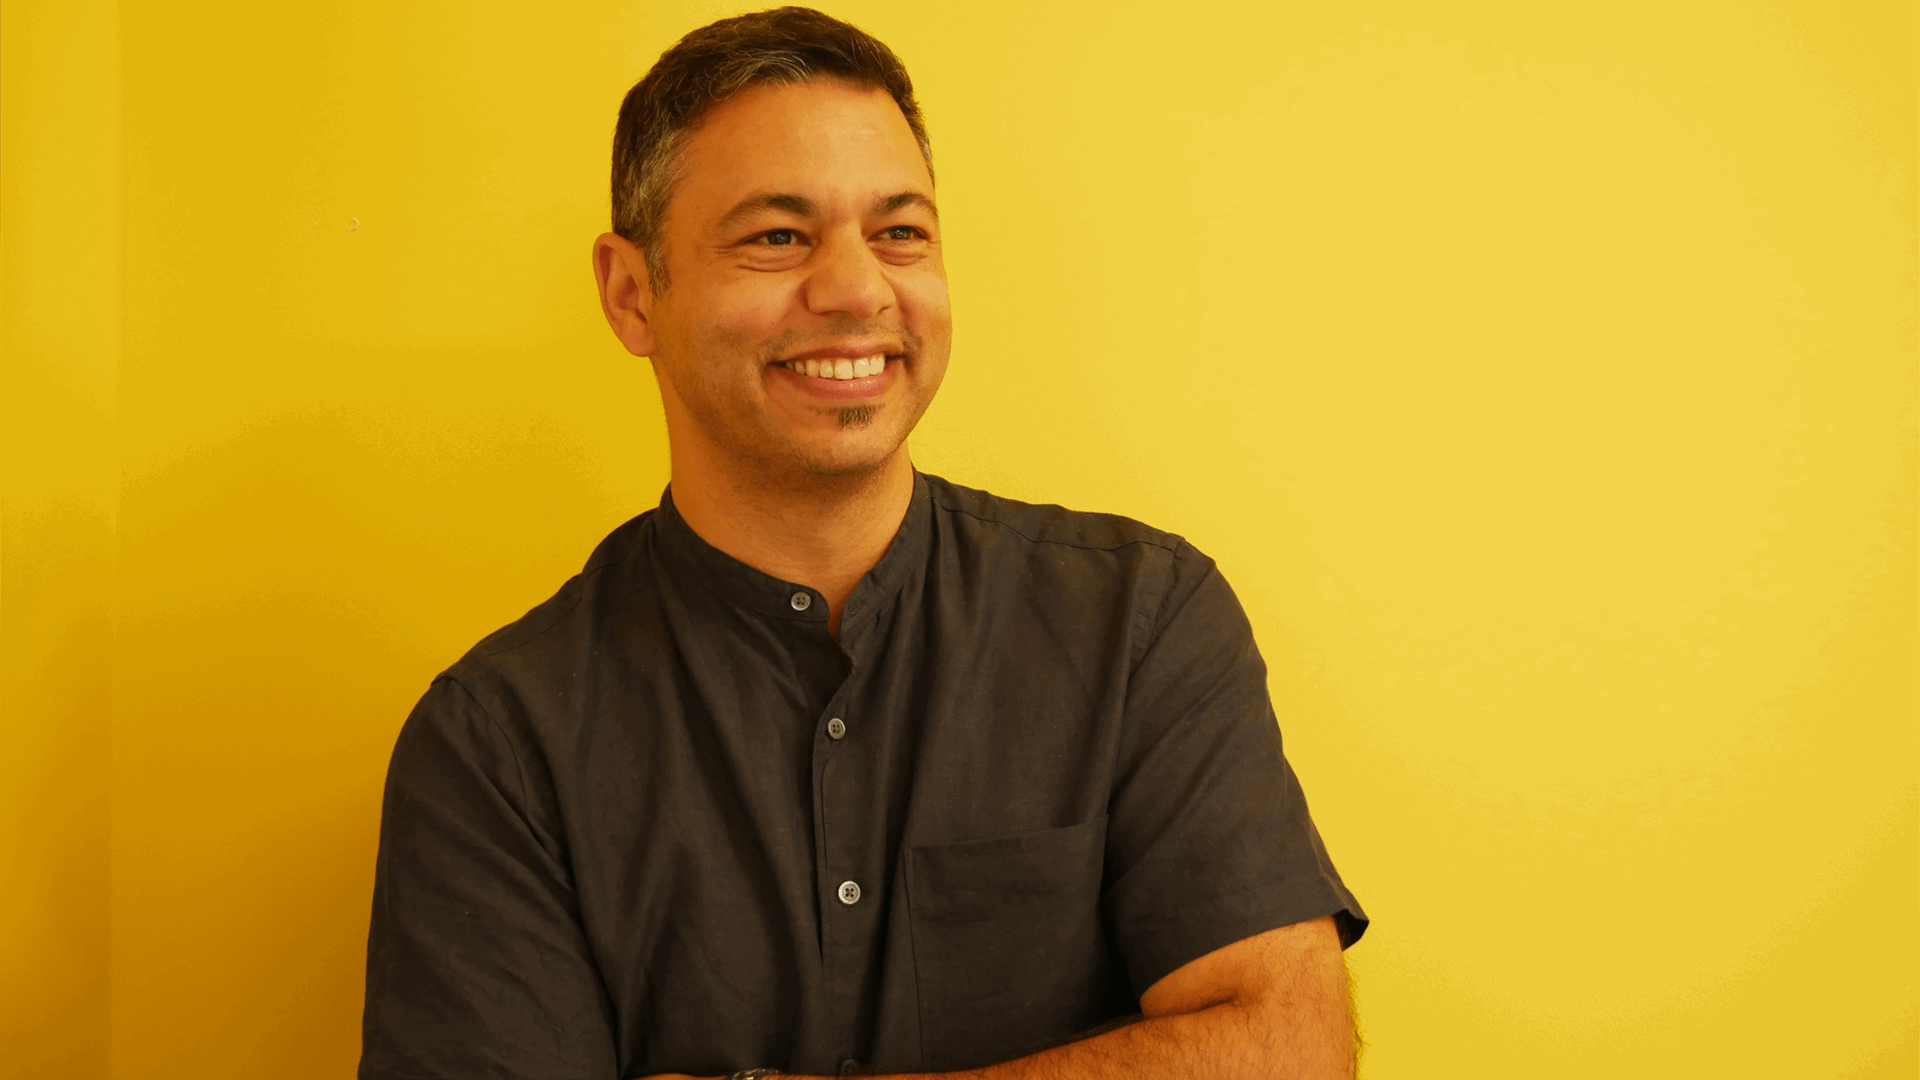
x=839 y=368
x=832 y=380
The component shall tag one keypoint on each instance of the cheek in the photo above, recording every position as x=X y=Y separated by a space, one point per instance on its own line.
x=924 y=303
x=748 y=308
x=732 y=316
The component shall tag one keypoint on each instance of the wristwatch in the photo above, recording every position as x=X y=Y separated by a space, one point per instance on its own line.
x=753 y=1074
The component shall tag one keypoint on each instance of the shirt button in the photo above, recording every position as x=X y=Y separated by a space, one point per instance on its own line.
x=849 y=893
x=801 y=601
x=836 y=728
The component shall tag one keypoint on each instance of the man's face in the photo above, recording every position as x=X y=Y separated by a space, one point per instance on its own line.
x=801 y=234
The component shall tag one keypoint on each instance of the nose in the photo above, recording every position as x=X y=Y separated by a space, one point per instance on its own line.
x=847 y=278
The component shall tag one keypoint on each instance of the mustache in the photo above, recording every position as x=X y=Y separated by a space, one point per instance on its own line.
x=787 y=342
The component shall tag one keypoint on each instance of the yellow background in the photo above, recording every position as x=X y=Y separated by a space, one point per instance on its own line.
x=1542 y=375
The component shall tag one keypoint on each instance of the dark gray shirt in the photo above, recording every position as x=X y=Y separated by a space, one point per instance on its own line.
x=665 y=822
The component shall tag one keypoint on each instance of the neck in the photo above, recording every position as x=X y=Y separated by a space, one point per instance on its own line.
x=825 y=532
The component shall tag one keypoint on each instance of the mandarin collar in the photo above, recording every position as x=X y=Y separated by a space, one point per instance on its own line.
x=758 y=591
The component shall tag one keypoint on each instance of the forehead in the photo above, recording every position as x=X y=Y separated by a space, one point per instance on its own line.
x=825 y=139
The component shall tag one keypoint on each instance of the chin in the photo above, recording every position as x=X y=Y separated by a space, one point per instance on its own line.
x=855 y=454
x=844 y=466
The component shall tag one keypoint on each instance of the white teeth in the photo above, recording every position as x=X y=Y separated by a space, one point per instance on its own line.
x=839 y=369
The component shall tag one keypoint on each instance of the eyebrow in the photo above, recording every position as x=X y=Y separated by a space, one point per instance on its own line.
x=801 y=206
x=905 y=199
x=798 y=205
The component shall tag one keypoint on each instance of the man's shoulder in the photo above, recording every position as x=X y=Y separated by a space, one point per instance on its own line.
x=1070 y=557
x=567 y=619
x=1044 y=524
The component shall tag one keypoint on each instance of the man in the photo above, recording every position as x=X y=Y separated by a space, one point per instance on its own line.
x=826 y=765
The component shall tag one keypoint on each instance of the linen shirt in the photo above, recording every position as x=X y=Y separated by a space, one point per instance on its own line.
x=665 y=822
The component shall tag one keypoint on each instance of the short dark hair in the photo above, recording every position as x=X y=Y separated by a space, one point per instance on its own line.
x=782 y=46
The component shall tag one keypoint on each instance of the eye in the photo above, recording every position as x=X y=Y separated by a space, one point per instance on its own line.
x=900 y=232
x=780 y=237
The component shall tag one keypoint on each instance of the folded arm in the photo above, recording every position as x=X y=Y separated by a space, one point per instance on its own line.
x=1269 y=1007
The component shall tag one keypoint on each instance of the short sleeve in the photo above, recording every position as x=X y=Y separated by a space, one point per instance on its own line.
x=477 y=966
x=1208 y=840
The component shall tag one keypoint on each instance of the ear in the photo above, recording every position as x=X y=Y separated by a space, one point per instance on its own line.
x=626 y=292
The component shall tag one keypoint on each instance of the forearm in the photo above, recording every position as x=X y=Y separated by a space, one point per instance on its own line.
x=1275 y=1006
x=1227 y=1041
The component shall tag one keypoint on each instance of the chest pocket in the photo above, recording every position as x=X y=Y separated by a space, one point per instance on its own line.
x=1010 y=952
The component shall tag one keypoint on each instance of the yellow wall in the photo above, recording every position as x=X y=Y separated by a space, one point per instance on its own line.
x=1543 y=376
x=59 y=485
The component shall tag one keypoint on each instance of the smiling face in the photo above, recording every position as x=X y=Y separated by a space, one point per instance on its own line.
x=804 y=325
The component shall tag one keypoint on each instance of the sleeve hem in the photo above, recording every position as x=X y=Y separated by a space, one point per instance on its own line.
x=1158 y=945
